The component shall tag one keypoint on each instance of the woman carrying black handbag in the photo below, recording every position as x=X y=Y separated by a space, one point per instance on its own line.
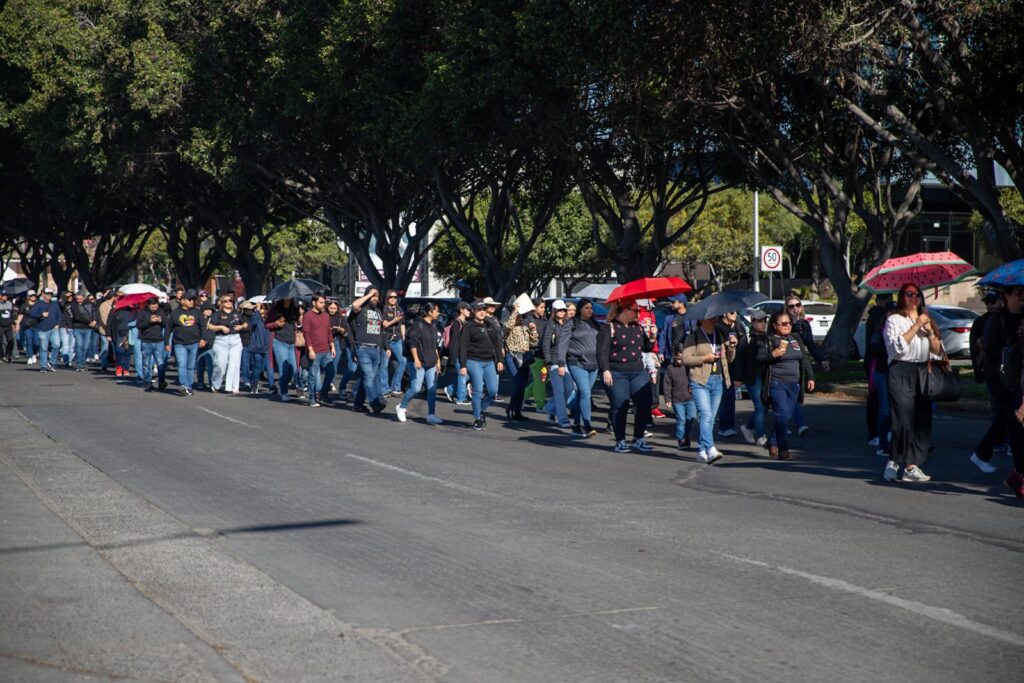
x=910 y=341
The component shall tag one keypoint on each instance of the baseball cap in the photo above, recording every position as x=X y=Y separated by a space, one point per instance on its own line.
x=190 y=294
x=758 y=314
x=30 y=292
x=681 y=298
x=462 y=305
x=990 y=296
x=48 y=290
x=477 y=305
x=558 y=305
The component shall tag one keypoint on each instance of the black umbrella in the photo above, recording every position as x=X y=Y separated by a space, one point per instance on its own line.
x=749 y=296
x=18 y=285
x=291 y=289
x=716 y=305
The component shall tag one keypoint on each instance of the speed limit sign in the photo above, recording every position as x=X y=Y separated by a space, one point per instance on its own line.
x=771 y=259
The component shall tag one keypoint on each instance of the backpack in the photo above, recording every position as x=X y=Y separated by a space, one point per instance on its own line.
x=446 y=337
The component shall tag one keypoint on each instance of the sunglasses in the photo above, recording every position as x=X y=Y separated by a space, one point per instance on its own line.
x=785 y=324
x=912 y=295
x=793 y=305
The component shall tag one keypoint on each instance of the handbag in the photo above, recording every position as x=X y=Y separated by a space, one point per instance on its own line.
x=942 y=383
x=300 y=340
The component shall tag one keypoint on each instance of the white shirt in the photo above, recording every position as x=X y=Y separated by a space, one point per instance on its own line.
x=898 y=348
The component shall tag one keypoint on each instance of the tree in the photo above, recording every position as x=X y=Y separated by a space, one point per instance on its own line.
x=303 y=248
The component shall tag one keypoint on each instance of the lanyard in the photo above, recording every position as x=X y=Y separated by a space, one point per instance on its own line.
x=713 y=340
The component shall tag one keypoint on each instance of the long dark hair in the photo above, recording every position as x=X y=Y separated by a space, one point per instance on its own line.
x=903 y=290
x=776 y=317
x=578 y=320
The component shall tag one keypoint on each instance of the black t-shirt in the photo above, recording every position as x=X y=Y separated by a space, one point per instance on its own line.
x=367 y=326
x=394 y=332
x=286 y=334
x=229 y=319
x=185 y=325
x=27 y=321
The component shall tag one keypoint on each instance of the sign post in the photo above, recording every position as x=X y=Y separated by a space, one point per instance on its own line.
x=771 y=262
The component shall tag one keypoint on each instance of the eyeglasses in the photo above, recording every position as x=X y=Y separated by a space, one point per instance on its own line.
x=392 y=296
x=793 y=305
x=784 y=324
x=912 y=295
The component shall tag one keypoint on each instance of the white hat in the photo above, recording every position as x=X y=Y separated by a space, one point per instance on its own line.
x=488 y=301
x=558 y=305
x=48 y=290
x=523 y=304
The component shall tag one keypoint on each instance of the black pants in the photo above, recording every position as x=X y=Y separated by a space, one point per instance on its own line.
x=872 y=403
x=1003 y=409
x=1015 y=432
x=6 y=342
x=911 y=413
x=626 y=387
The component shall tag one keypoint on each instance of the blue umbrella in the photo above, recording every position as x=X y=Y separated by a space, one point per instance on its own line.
x=1007 y=275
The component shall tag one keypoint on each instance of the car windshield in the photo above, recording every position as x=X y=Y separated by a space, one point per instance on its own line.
x=954 y=313
x=818 y=309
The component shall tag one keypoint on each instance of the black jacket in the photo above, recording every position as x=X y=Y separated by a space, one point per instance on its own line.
x=479 y=341
x=748 y=366
x=82 y=315
x=150 y=331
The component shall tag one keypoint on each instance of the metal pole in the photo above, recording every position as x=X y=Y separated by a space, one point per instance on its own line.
x=757 y=246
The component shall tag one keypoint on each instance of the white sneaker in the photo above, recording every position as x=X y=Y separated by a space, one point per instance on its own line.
x=981 y=464
x=714 y=455
x=882 y=452
x=434 y=420
x=873 y=442
x=762 y=441
x=891 y=471
x=748 y=434
x=702 y=456
x=400 y=413
x=915 y=476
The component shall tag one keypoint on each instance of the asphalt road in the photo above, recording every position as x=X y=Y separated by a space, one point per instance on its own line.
x=298 y=543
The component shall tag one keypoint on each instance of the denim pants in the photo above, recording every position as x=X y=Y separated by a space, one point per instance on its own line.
x=630 y=386
x=562 y=388
x=243 y=366
x=707 y=397
x=686 y=416
x=344 y=364
x=581 y=403
x=29 y=341
x=66 y=342
x=370 y=359
x=83 y=339
x=321 y=374
x=227 y=361
x=756 y=421
x=284 y=361
x=785 y=397
x=104 y=351
x=122 y=353
x=186 y=354
x=256 y=363
x=204 y=366
x=521 y=378
x=49 y=348
x=727 y=409
x=484 y=376
x=884 y=412
x=152 y=354
x=460 y=382
x=137 y=353
x=419 y=376
x=398 y=353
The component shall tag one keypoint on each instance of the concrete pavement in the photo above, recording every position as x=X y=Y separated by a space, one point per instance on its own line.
x=517 y=554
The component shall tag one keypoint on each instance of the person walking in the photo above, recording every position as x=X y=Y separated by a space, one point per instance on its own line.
x=344 y=360
x=652 y=361
x=207 y=338
x=422 y=343
x=83 y=324
x=621 y=343
x=707 y=353
x=751 y=372
x=393 y=324
x=227 y=323
x=555 y=345
x=7 y=334
x=1015 y=427
x=676 y=386
x=283 y=322
x=454 y=335
x=367 y=324
x=789 y=372
x=48 y=317
x=103 y=308
x=151 y=324
x=727 y=407
x=875 y=348
x=910 y=339
x=1001 y=331
x=581 y=358
x=184 y=333
x=802 y=329
x=259 y=345
x=119 y=326
x=874 y=355
x=316 y=328
x=534 y=377
x=519 y=340
x=480 y=358
x=25 y=328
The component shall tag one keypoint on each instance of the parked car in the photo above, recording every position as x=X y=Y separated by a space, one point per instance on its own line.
x=819 y=314
x=954 y=324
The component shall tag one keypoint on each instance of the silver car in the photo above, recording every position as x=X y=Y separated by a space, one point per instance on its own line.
x=954 y=325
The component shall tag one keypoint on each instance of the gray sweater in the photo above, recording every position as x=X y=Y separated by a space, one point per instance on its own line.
x=583 y=344
x=555 y=343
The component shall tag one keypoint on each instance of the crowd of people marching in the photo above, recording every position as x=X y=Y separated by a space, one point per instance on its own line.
x=322 y=353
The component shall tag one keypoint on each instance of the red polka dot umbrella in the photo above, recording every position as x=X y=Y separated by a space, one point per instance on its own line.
x=925 y=270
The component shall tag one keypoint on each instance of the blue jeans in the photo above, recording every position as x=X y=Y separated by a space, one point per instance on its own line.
x=419 y=376
x=584 y=380
x=257 y=361
x=727 y=409
x=562 y=388
x=756 y=421
x=49 y=347
x=460 y=382
x=29 y=341
x=186 y=354
x=346 y=363
x=884 y=410
x=482 y=373
x=137 y=353
x=122 y=353
x=686 y=415
x=320 y=384
x=104 y=351
x=83 y=343
x=398 y=353
x=284 y=361
x=204 y=366
x=630 y=386
x=370 y=359
x=66 y=339
x=152 y=354
x=785 y=398
x=707 y=397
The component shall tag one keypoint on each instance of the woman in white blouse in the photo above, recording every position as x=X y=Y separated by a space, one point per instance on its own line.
x=910 y=339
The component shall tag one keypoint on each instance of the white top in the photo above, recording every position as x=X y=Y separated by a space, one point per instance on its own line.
x=914 y=351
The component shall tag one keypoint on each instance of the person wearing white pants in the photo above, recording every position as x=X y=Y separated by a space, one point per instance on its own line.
x=227 y=347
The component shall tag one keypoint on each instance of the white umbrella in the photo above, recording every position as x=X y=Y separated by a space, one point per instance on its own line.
x=140 y=288
x=258 y=299
x=596 y=291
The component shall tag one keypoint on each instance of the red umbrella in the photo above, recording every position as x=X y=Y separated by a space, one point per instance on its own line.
x=649 y=288
x=129 y=300
x=923 y=269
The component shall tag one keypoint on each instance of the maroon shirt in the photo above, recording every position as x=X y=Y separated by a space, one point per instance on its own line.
x=316 y=328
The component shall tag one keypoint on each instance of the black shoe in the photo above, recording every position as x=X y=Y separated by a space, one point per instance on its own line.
x=379 y=406
x=149 y=389
x=483 y=419
x=578 y=431
x=684 y=443
x=478 y=425
x=163 y=385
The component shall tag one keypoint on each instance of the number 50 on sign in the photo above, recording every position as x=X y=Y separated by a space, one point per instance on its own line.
x=771 y=259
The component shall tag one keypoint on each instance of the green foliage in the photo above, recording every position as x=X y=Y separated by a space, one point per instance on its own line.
x=305 y=247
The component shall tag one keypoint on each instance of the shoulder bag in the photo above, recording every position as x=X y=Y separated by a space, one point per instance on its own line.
x=942 y=383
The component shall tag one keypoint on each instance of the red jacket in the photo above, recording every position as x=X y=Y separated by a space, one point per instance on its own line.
x=316 y=328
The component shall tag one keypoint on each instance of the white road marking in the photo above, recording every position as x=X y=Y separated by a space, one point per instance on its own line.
x=423 y=477
x=225 y=417
x=940 y=614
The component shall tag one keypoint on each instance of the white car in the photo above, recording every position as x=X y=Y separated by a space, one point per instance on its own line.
x=954 y=325
x=818 y=313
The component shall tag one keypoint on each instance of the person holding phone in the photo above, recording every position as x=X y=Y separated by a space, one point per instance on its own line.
x=789 y=372
x=910 y=339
